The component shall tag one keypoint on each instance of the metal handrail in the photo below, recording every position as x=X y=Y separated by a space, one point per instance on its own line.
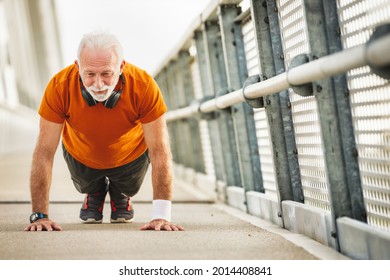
x=374 y=54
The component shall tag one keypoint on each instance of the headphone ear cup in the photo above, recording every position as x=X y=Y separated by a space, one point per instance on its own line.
x=114 y=97
x=112 y=100
x=88 y=98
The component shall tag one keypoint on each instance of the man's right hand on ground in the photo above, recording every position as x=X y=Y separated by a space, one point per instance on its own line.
x=43 y=224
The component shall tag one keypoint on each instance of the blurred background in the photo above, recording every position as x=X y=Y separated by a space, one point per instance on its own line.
x=40 y=37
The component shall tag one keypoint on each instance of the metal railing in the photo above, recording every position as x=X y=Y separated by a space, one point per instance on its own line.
x=373 y=53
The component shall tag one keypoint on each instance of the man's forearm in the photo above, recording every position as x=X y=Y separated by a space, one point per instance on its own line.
x=40 y=181
x=162 y=177
x=162 y=188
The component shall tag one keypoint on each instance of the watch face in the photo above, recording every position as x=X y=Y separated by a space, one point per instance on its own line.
x=33 y=217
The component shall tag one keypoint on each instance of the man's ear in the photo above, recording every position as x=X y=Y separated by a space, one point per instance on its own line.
x=122 y=65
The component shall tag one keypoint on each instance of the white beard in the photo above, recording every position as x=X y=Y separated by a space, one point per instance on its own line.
x=102 y=96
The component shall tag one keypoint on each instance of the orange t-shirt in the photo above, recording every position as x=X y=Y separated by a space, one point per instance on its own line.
x=97 y=136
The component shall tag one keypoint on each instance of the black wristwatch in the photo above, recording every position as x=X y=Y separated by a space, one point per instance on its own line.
x=37 y=216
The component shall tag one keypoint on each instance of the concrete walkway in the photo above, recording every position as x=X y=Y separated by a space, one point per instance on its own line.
x=213 y=231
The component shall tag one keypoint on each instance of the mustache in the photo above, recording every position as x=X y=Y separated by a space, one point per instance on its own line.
x=105 y=87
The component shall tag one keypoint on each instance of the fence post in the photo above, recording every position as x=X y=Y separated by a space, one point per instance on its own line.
x=266 y=23
x=340 y=88
x=176 y=130
x=184 y=135
x=208 y=93
x=224 y=121
x=195 y=159
x=330 y=104
x=162 y=80
x=244 y=124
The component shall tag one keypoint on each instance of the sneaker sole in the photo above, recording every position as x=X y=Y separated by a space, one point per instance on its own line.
x=121 y=220
x=91 y=221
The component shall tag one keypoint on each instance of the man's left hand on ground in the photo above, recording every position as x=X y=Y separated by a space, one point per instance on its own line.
x=160 y=224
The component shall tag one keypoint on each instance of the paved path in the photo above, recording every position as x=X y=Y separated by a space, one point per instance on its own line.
x=213 y=231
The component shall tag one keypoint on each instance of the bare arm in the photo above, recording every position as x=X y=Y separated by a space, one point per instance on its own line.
x=157 y=141
x=41 y=172
x=156 y=137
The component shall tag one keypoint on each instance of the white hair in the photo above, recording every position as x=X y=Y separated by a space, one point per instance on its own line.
x=101 y=41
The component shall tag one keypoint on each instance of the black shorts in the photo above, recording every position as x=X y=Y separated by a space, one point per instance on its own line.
x=123 y=180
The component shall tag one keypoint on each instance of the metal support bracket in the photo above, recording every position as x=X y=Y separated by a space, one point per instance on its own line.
x=306 y=89
x=257 y=102
x=379 y=32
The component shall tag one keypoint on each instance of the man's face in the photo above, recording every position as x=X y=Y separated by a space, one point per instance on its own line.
x=99 y=70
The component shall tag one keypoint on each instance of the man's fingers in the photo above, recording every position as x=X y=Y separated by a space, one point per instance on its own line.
x=180 y=227
x=167 y=227
x=43 y=225
x=48 y=227
x=146 y=227
x=157 y=227
x=175 y=227
x=161 y=225
x=56 y=227
x=28 y=228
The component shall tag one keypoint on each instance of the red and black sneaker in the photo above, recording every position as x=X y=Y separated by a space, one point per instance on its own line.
x=92 y=210
x=121 y=210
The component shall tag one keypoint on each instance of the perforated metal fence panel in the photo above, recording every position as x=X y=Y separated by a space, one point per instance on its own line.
x=370 y=101
x=293 y=29
x=261 y=121
x=203 y=127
